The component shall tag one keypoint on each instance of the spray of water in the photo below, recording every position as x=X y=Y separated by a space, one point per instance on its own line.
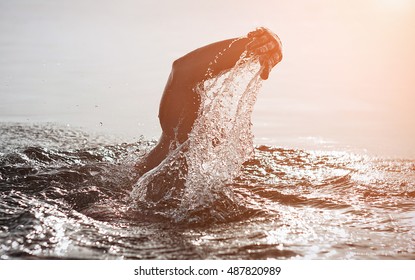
x=221 y=139
x=195 y=174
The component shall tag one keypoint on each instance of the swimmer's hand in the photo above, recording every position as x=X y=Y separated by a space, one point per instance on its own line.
x=267 y=46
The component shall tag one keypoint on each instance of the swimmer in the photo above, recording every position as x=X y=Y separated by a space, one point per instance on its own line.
x=180 y=103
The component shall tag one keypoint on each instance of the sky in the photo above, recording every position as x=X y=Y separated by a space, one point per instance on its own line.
x=345 y=80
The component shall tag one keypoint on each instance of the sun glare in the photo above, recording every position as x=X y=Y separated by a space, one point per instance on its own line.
x=397 y=5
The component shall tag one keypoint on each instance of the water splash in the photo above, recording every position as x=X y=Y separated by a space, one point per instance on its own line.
x=194 y=176
x=221 y=139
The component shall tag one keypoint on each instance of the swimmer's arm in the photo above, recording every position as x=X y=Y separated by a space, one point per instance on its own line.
x=221 y=56
x=216 y=57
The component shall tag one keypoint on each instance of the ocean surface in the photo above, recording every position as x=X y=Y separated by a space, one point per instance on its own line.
x=69 y=194
x=65 y=194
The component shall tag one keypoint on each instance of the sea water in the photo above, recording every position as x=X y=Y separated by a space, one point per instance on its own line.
x=65 y=193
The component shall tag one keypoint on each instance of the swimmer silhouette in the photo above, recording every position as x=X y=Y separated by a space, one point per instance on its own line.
x=180 y=103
